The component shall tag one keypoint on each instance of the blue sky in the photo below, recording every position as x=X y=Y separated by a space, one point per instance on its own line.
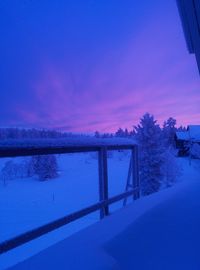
x=94 y=65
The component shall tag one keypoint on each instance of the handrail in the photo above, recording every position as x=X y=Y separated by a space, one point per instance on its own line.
x=104 y=200
x=12 y=151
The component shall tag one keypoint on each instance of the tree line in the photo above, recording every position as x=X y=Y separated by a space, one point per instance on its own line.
x=33 y=133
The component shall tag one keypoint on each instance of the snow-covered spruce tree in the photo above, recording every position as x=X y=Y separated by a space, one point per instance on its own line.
x=169 y=130
x=149 y=138
x=181 y=128
x=170 y=168
x=13 y=170
x=8 y=172
x=97 y=134
x=45 y=166
x=195 y=150
x=119 y=133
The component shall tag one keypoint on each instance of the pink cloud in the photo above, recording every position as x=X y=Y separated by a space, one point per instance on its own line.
x=152 y=72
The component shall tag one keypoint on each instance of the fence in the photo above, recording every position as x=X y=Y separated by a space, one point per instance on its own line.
x=132 y=187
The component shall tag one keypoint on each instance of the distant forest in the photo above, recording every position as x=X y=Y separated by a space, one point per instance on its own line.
x=35 y=133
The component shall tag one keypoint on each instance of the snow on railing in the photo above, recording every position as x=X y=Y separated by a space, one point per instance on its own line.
x=14 y=148
x=71 y=141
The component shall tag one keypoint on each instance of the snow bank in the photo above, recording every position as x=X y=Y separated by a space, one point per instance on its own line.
x=160 y=231
x=166 y=237
x=101 y=246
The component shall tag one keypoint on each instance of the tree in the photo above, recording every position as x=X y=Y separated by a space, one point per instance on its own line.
x=149 y=138
x=181 y=128
x=132 y=133
x=126 y=133
x=97 y=134
x=170 y=168
x=119 y=133
x=12 y=170
x=8 y=172
x=45 y=166
x=169 y=131
x=195 y=150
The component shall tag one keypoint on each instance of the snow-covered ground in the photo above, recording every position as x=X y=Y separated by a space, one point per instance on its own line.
x=167 y=236
x=28 y=203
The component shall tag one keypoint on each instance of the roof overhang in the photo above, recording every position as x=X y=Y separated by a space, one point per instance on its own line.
x=189 y=11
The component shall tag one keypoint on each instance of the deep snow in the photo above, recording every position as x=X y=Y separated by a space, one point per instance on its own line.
x=152 y=233
x=166 y=237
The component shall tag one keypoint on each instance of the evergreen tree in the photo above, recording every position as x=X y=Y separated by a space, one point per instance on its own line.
x=132 y=133
x=195 y=150
x=119 y=133
x=126 y=133
x=169 y=131
x=181 y=128
x=97 y=134
x=149 y=138
x=13 y=170
x=45 y=166
x=8 y=172
x=170 y=168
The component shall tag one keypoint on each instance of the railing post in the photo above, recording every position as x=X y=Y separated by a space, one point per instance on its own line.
x=128 y=181
x=135 y=172
x=103 y=180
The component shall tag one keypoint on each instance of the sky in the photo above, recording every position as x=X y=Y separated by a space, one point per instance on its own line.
x=86 y=65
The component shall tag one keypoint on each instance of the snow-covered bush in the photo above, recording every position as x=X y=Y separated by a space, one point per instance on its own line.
x=8 y=172
x=149 y=137
x=170 y=168
x=45 y=166
x=195 y=150
x=30 y=167
x=13 y=170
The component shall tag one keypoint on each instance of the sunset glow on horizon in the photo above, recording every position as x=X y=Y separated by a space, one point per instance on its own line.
x=82 y=66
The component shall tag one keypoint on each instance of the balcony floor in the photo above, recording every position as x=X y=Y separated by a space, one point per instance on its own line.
x=160 y=231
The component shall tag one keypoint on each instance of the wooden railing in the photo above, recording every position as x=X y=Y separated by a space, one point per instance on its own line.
x=132 y=187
